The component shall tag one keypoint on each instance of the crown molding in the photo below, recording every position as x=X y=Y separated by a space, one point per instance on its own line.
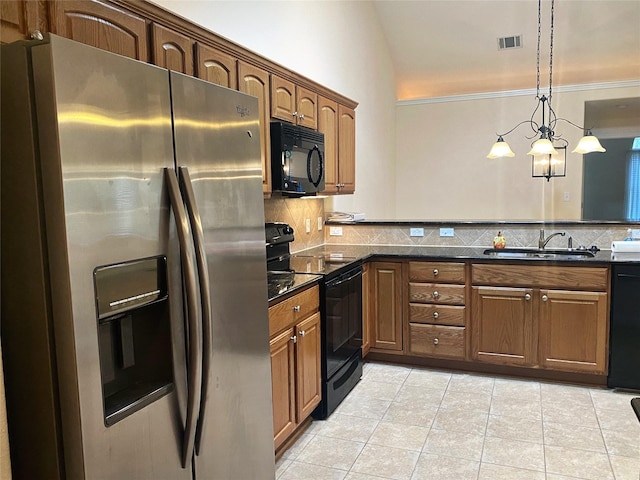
x=516 y=93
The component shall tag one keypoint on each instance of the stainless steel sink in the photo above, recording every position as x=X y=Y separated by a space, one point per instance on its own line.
x=537 y=253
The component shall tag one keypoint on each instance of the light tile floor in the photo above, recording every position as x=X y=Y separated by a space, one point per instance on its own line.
x=415 y=423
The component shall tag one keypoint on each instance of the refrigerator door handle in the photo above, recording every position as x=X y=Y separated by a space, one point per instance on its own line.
x=201 y=259
x=194 y=372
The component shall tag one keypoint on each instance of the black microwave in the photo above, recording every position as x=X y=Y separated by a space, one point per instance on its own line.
x=297 y=159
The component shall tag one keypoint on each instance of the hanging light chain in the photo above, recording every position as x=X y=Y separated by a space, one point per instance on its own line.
x=538 y=53
x=551 y=51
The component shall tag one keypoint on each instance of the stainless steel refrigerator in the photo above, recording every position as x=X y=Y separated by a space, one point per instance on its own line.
x=134 y=299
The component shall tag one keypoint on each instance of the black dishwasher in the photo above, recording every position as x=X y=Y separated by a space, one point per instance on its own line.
x=624 y=341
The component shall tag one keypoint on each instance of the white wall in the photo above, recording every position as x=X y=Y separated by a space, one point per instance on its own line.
x=337 y=44
x=443 y=172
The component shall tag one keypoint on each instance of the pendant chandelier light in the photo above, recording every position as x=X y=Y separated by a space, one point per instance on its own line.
x=548 y=152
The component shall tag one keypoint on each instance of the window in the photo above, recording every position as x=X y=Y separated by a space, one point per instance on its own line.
x=632 y=192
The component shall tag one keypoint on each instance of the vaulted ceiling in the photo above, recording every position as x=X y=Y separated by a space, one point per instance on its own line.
x=450 y=47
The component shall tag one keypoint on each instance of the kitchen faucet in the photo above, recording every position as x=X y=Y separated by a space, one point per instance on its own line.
x=543 y=241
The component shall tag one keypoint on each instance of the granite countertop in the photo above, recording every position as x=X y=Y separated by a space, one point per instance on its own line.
x=281 y=284
x=290 y=282
x=363 y=252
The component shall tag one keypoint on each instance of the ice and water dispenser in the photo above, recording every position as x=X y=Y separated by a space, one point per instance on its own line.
x=134 y=335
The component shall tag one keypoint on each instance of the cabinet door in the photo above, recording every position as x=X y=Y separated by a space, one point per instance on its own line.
x=346 y=149
x=255 y=81
x=283 y=99
x=328 y=124
x=502 y=325
x=283 y=386
x=216 y=67
x=573 y=331
x=366 y=317
x=19 y=18
x=386 y=306
x=101 y=25
x=307 y=108
x=308 y=374
x=172 y=50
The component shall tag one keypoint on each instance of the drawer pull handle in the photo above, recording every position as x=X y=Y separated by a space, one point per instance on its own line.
x=295 y=339
x=544 y=298
x=527 y=297
x=436 y=294
x=436 y=314
x=436 y=341
x=296 y=308
x=302 y=332
x=435 y=272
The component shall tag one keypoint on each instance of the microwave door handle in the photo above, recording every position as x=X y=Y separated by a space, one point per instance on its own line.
x=194 y=371
x=201 y=260
x=320 y=166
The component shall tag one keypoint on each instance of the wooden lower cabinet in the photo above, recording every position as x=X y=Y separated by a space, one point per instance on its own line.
x=436 y=340
x=295 y=361
x=385 y=282
x=573 y=331
x=502 y=322
x=559 y=328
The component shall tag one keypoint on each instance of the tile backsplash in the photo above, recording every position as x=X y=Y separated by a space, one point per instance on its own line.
x=295 y=211
x=482 y=235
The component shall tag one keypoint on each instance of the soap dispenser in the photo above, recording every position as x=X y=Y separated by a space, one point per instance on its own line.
x=499 y=241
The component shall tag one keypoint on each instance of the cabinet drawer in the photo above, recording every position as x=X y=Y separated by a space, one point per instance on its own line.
x=436 y=340
x=436 y=293
x=546 y=276
x=436 y=272
x=436 y=314
x=293 y=309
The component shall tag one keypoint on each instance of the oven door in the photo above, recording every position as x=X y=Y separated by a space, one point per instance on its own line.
x=343 y=319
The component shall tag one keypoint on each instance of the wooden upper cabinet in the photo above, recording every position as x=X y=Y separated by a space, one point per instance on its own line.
x=216 y=66
x=172 y=50
x=328 y=125
x=100 y=25
x=18 y=19
x=255 y=81
x=346 y=149
x=293 y=104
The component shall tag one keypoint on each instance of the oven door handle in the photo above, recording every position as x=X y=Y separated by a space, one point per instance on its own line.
x=203 y=273
x=193 y=314
x=340 y=281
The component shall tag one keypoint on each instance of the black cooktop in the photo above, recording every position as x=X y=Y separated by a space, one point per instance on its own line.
x=324 y=264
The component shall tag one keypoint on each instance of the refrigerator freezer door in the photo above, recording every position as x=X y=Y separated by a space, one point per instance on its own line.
x=217 y=137
x=105 y=138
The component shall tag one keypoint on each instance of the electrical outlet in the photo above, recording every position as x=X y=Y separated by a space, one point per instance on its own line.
x=635 y=233
x=307 y=225
x=446 y=232
x=566 y=197
x=416 y=232
x=335 y=231
x=320 y=224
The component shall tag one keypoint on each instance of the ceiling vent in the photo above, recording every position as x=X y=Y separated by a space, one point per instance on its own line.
x=506 y=43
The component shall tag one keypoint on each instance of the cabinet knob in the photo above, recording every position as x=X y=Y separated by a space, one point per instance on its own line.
x=36 y=35
x=436 y=294
x=435 y=272
x=302 y=332
x=436 y=341
x=527 y=297
x=296 y=308
x=544 y=298
x=294 y=338
x=295 y=114
x=301 y=117
x=436 y=314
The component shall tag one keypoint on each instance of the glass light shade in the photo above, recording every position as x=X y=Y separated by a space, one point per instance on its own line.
x=542 y=146
x=550 y=165
x=501 y=149
x=588 y=144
